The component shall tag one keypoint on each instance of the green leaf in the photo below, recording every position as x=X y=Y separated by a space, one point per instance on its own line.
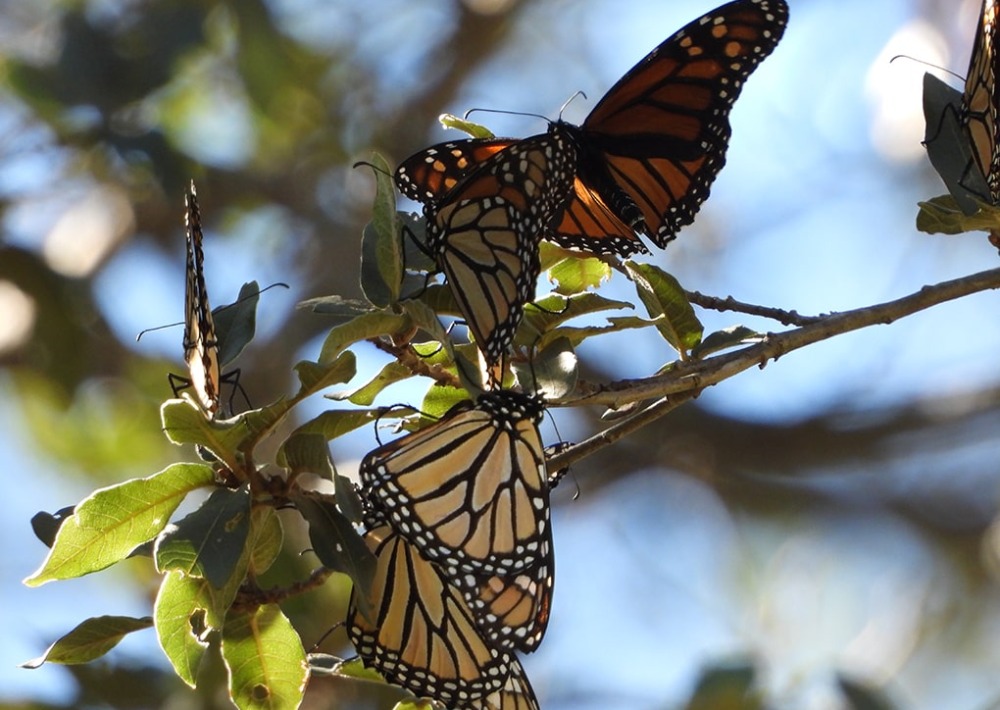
x=259 y=422
x=575 y=336
x=236 y=324
x=390 y=374
x=553 y=310
x=465 y=125
x=419 y=704
x=425 y=318
x=356 y=668
x=268 y=538
x=91 y=639
x=730 y=337
x=210 y=541
x=315 y=376
x=574 y=273
x=552 y=371
x=416 y=254
x=337 y=544
x=337 y=422
x=667 y=304
x=337 y=306
x=370 y=325
x=265 y=659
x=439 y=299
x=381 y=248
x=306 y=452
x=942 y=215
x=440 y=399
x=185 y=423
x=181 y=609
x=218 y=600
x=348 y=498
x=111 y=522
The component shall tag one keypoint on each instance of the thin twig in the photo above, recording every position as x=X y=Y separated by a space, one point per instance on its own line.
x=686 y=380
x=619 y=430
x=731 y=304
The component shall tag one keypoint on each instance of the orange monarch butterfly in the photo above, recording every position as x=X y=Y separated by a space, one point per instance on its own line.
x=980 y=100
x=650 y=149
x=201 y=346
x=470 y=492
x=422 y=635
x=961 y=134
x=484 y=233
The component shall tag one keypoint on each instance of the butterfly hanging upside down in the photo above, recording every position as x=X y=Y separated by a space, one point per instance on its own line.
x=201 y=345
x=470 y=492
x=642 y=163
x=424 y=637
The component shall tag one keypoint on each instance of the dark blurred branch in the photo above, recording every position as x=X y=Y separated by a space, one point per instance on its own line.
x=690 y=378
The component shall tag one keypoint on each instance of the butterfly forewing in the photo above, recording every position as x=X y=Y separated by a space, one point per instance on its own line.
x=664 y=127
x=423 y=635
x=428 y=175
x=201 y=348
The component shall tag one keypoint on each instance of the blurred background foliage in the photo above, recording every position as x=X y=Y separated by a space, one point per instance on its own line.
x=817 y=535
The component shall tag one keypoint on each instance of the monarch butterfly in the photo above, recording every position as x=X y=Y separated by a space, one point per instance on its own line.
x=201 y=347
x=470 y=492
x=422 y=635
x=650 y=149
x=484 y=236
x=980 y=100
x=470 y=489
x=961 y=133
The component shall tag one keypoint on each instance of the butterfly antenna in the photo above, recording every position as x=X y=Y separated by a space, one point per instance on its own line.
x=221 y=308
x=570 y=100
x=505 y=113
x=159 y=327
x=372 y=166
x=927 y=64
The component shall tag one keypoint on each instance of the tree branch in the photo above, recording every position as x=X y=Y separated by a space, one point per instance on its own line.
x=731 y=304
x=685 y=380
